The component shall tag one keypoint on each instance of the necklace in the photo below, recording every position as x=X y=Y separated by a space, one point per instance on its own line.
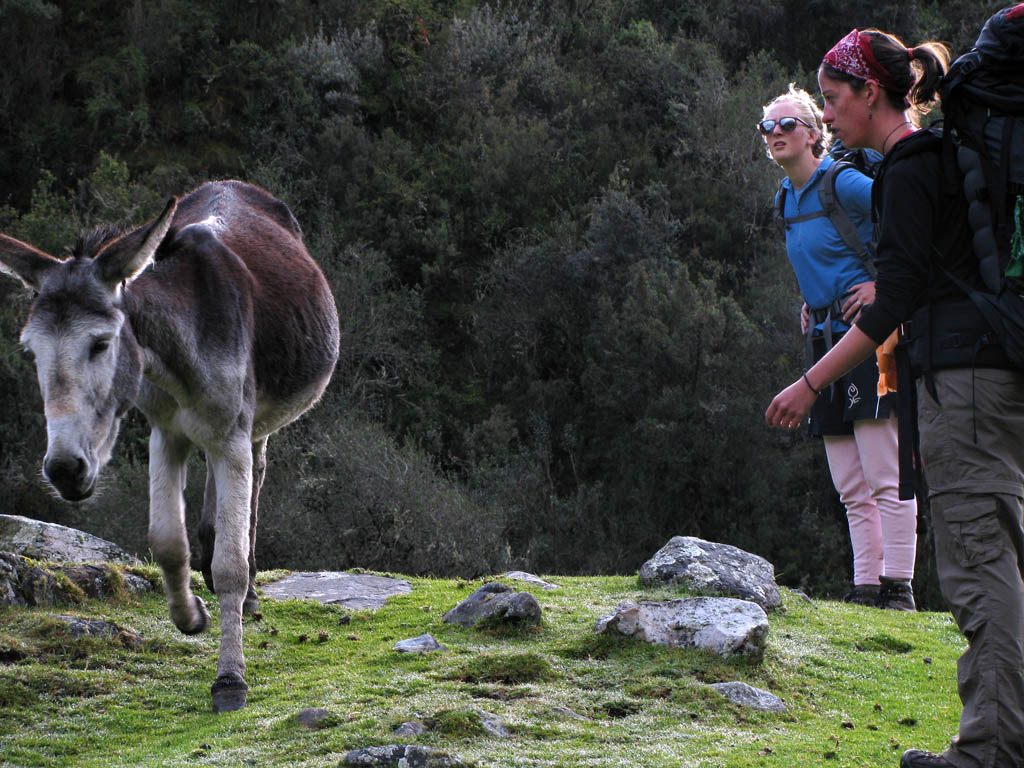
x=886 y=141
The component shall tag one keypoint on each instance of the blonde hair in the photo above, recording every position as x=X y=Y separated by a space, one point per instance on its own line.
x=806 y=108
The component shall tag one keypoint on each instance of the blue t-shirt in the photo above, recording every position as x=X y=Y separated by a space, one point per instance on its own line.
x=825 y=267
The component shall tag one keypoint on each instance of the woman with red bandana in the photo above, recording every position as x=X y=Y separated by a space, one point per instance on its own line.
x=856 y=424
x=970 y=402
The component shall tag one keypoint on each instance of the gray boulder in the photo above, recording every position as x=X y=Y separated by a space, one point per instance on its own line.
x=723 y=625
x=357 y=591
x=710 y=568
x=49 y=541
x=748 y=696
x=495 y=603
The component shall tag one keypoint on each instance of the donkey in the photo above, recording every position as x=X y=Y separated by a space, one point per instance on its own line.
x=215 y=322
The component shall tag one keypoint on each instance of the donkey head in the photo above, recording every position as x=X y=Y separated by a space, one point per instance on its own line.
x=87 y=360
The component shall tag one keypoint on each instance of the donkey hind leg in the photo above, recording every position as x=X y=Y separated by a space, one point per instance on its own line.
x=168 y=456
x=208 y=527
x=230 y=567
x=259 y=469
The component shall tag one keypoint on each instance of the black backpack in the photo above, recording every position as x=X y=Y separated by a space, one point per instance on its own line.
x=983 y=148
x=863 y=161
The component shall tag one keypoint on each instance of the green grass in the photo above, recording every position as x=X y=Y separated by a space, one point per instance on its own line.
x=861 y=685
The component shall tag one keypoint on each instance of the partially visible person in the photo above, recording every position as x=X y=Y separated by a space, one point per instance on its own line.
x=857 y=426
x=970 y=400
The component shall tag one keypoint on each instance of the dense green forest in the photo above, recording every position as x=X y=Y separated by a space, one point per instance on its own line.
x=565 y=305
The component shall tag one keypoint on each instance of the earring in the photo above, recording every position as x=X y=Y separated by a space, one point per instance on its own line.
x=870 y=115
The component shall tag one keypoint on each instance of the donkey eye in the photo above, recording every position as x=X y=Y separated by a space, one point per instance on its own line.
x=99 y=347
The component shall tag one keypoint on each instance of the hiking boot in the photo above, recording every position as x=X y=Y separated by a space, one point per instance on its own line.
x=862 y=594
x=918 y=758
x=896 y=594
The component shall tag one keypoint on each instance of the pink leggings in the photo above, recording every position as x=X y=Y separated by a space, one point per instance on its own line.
x=883 y=529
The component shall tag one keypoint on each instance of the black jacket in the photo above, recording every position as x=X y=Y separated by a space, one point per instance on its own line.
x=923 y=229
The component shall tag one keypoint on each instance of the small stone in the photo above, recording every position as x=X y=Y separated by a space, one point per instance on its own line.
x=421 y=644
x=314 y=718
x=410 y=728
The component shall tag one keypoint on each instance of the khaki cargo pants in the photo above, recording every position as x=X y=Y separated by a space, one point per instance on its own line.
x=975 y=493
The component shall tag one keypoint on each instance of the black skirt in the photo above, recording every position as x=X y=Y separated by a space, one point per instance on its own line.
x=852 y=398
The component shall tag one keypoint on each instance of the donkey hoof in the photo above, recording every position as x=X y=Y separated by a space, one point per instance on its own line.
x=202 y=621
x=228 y=693
x=251 y=604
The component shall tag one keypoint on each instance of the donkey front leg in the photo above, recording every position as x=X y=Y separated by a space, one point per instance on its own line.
x=168 y=455
x=208 y=524
x=230 y=567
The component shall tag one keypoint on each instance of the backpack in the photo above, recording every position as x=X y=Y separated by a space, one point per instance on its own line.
x=983 y=149
x=861 y=160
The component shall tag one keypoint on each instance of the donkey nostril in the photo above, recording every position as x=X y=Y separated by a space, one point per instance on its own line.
x=68 y=475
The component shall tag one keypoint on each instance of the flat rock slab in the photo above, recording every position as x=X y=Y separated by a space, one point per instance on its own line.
x=357 y=591
x=747 y=696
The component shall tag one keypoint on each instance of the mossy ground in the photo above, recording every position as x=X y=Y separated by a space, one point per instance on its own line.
x=861 y=685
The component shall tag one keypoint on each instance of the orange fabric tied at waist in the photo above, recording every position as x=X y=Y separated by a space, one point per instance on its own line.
x=886 y=355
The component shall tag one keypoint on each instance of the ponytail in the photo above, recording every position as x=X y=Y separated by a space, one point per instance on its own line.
x=914 y=72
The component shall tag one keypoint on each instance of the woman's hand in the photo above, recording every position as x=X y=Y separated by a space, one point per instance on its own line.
x=858 y=297
x=805 y=318
x=791 y=406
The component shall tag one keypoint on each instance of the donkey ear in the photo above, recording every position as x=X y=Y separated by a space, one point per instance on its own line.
x=24 y=262
x=125 y=258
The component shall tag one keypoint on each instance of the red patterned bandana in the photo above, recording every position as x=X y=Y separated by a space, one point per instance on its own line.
x=853 y=56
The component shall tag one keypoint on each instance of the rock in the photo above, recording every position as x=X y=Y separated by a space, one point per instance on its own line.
x=10 y=578
x=314 y=718
x=357 y=591
x=79 y=627
x=403 y=756
x=529 y=578
x=748 y=696
x=703 y=566
x=22 y=583
x=493 y=725
x=410 y=728
x=421 y=644
x=99 y=581
x=49 y=541
x=495 y=603
x=723 y=625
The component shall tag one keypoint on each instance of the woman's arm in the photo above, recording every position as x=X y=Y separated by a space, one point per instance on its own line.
x=791 y=406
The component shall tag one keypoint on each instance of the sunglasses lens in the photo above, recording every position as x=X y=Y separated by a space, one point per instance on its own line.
x=788 y=124
x=766 y=126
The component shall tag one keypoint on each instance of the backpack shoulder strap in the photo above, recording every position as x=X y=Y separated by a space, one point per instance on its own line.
x=780 y=211
x=840 y=218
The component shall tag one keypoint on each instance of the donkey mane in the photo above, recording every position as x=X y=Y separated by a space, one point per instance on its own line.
x=91 y=242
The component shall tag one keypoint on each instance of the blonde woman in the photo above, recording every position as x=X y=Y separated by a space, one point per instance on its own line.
x=858 y=428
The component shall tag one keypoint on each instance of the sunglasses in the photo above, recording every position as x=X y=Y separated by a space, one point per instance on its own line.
x=787 y=124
